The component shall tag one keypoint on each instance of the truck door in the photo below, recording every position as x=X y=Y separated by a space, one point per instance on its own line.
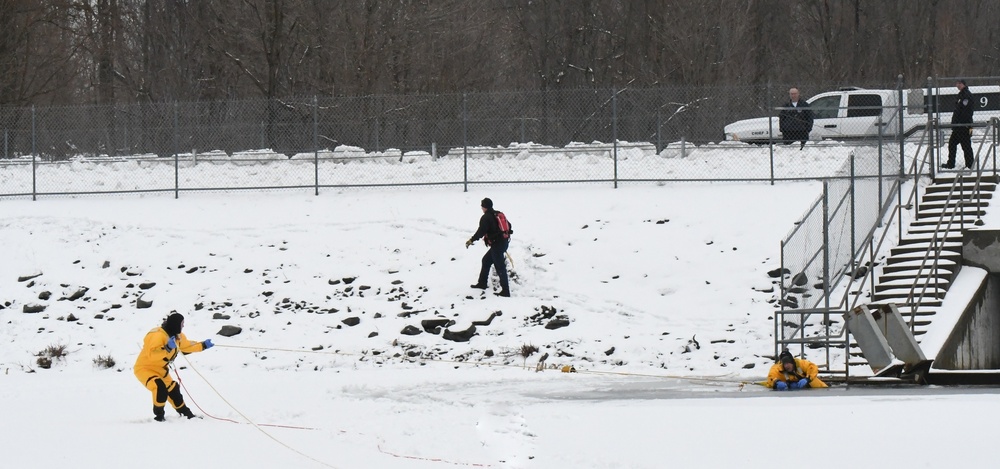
x=862 y=120
x=826 y=116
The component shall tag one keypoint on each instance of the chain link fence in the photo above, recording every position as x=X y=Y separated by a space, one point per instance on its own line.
x=582 y=135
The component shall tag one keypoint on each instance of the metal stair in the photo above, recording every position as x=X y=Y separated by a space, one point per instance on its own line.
x=912 y=277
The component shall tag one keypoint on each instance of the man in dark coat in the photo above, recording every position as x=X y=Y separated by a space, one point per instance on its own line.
x=489 y=230
x=795 y=119
x=961 y=134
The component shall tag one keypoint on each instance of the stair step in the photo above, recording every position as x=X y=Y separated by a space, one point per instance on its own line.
x=903 y=294
x=924 y=247
x=941 y=196
x=907 y=276
x=928 y=236
x=946 y=178
x=921 y=225
x=907 y=283
x=968 y=187
x=956 y=257
x=914 y=264
x=899 y=302
x=935 y=213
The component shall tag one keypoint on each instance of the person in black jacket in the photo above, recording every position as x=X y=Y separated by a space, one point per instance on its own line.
x=489 y=230
x=795 y=120
x=961 y=134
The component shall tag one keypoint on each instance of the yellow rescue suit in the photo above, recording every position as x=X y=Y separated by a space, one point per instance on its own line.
x=151 y=368
x=803 y=369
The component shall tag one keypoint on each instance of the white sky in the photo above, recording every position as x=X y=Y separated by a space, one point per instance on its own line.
x=595 y=254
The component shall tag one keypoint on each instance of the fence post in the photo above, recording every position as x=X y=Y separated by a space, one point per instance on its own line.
x=770 y=128
x=177 y=166
x=34 y=156
x=902 y=138
x=932 y=105
x=465 y=146
x=614 y=130
x=779 y=314
x=881 y=141
x=854 y=208
x=659 y=136
x=316 y=141
x=826 y=244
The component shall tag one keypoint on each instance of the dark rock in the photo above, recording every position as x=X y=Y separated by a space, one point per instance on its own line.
x=229 y=331
x=749 y=366
x=142 y=304
x=349 y=280
x=78 y=294
x=800 y=279
x=488 y=353
x=317 y=348
x=557 y=323
x=220 y=316
x=33 y=308
x=609 y=351
x=363 y=287
x=45 y=295
x=433 y=326
x=105 y=265
x=351 y=321
x=147 y=285
x=860 y=272
x=459 y=336
x=25 y=278
x=373 y=334
x=396 y=282
x=797 y=290
x=411 y=330
x=488 y=320
x=778 y=273
x=333 y=282
x=191 y=270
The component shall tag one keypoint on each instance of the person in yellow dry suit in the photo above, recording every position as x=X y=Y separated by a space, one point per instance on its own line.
x=159 y=349
x=793 y=373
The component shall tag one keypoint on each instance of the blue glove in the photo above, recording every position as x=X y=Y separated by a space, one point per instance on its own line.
x=171 y=343
x=207 y=344
x=780 y=386
x=802 y=383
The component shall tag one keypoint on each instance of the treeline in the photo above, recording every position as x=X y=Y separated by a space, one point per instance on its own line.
x=62 y=52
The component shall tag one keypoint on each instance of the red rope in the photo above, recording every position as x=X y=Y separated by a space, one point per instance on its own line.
x=379 y=446
x=186 y=391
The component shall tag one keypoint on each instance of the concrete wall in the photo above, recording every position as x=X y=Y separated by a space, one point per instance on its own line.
x=974 y=344
x=981 y=248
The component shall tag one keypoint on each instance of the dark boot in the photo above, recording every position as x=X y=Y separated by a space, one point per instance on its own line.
x=185 y=412
x=504 y=293
x=480 y=286
x=158 y=414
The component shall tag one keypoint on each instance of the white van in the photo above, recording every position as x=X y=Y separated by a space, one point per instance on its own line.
x=853 y=113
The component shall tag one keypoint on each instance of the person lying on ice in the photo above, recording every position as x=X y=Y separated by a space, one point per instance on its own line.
x=159 y=349
x=793 y=373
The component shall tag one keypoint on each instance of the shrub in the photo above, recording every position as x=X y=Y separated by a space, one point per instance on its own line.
x=104 y=361
x=49 y=353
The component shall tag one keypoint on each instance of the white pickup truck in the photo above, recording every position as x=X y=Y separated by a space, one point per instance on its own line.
x=853 y=113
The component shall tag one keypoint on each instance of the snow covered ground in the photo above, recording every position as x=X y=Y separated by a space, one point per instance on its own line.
x=641 y=273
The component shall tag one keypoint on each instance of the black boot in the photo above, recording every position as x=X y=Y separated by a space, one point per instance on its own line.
x=480 y=286
x=504 y=293
x=158 y=414
x=185 y=412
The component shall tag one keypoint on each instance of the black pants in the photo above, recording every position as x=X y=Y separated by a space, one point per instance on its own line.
x=494 y=257
x=961 y=136
x=795 y=136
